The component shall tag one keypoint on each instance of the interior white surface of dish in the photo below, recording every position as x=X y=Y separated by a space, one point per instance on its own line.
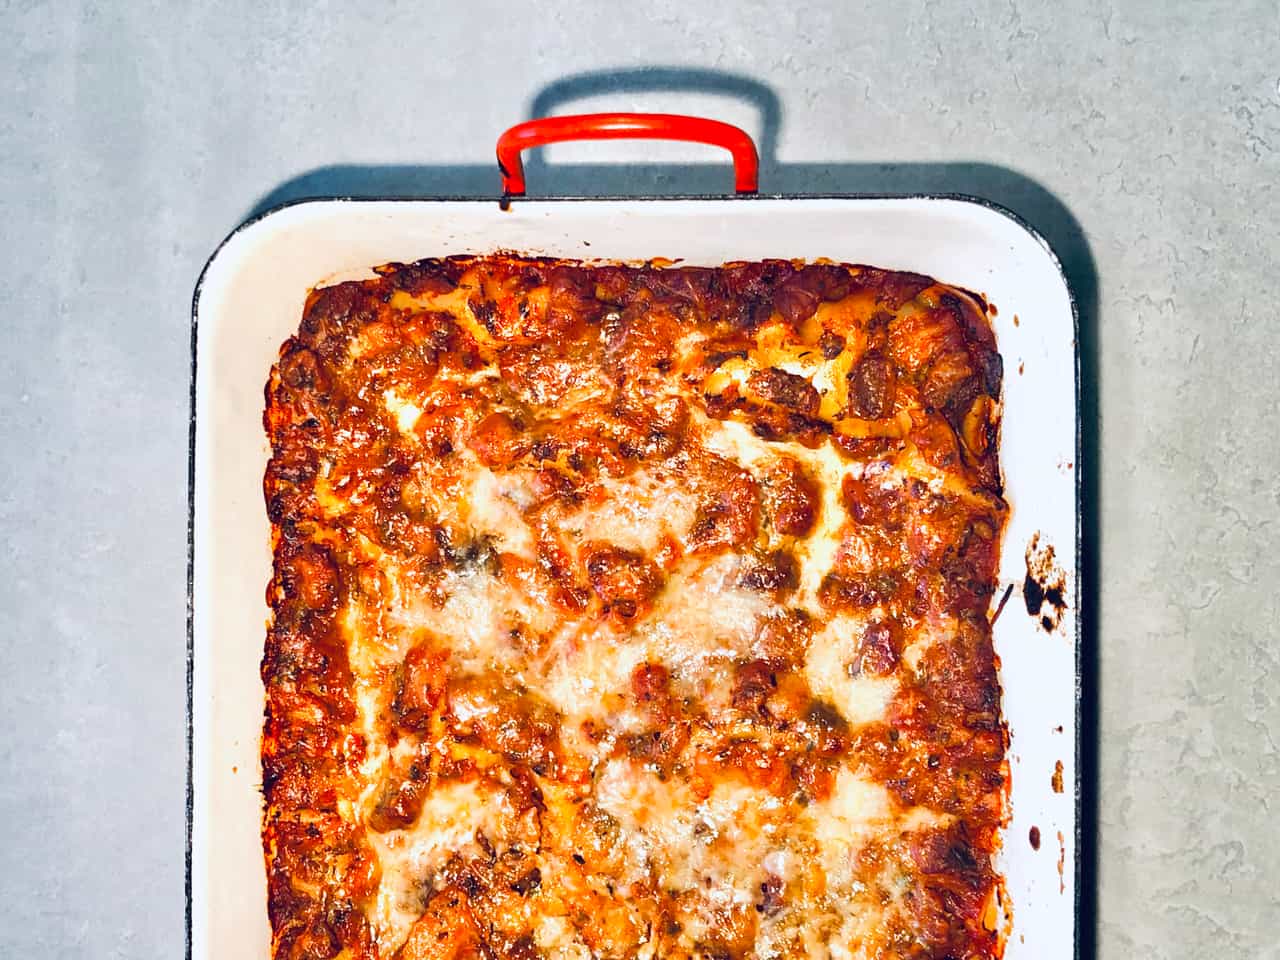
x=251 y=300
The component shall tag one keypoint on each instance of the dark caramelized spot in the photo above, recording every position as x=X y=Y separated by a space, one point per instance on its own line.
x=772 y=572
x=788 y=390
x=878 y=650
x=528 y=882
x=651 y=683
x=792 y=497
x=858 y=591
x=400 y=801
x=754 y=682
x=624 y=581
x=831 y=344
x=871 y=387
x=771 y=900
x=730 y=515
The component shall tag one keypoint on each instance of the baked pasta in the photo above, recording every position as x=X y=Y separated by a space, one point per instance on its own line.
x=633 y=612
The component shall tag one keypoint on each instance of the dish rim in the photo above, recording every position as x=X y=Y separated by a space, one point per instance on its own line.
x=504 y=202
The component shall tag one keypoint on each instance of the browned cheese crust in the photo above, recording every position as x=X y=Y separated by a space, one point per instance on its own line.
x=632 y=612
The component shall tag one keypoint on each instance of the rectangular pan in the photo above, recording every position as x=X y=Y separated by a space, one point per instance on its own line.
x=250 y=299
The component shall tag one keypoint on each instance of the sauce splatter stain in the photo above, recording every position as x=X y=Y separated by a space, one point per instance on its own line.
x=1016 y=322
x=1045 y=588
x=1062 y=863
x=1056 y=781
x=1034 y=837
x=1020 y=368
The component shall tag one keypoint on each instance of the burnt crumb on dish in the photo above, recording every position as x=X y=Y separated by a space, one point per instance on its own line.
x=1034 y=837
x=1008 y=592
x=1045 y=588
x=1056 y=780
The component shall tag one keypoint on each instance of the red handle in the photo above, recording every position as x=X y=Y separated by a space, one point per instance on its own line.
x=626 y=126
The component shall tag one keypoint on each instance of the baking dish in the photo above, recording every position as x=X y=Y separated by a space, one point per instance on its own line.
x=250 y=297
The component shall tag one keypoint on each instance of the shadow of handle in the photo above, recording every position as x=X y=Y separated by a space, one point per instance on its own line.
x=658 y=79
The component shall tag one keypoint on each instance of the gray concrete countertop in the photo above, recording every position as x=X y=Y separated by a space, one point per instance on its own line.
x=1142 y=138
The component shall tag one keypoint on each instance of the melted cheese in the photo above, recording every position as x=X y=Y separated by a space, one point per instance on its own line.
x=720 y=843
x=935 y=629
x=638 y=511
x=494 y=505
x=406 y=412
x=452 y=817
x=557 y=940
x=475 y=620
x=588 y=678
x=703 y=615
x=817 y=551
x=860 y=699
x=857 y=812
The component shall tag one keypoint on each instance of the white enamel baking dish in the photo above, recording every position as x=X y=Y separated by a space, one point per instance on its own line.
x=250 y=299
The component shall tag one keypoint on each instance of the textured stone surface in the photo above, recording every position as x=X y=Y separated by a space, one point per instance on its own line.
x=132 y=139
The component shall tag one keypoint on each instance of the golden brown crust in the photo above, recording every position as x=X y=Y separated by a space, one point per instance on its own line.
x=633 y=612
